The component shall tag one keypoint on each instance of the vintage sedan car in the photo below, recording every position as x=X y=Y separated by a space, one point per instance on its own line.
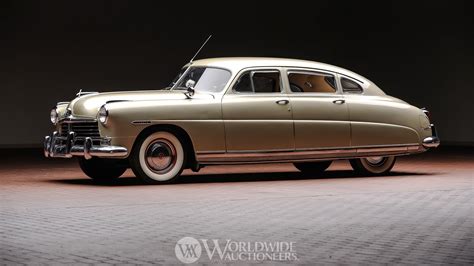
x=237 y=111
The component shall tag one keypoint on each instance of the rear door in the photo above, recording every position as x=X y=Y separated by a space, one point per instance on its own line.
x=321 y=117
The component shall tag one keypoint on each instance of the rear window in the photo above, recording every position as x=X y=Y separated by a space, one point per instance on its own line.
x=350 y=86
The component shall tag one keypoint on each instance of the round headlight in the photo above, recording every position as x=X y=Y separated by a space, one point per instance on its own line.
x=103 y=114
x=53 y=115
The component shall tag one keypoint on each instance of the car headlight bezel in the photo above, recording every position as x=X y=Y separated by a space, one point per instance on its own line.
x=103 y=115
x=53 y=116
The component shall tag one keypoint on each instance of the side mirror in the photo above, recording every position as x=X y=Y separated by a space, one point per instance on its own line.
x=190 y=86
x=190 y=83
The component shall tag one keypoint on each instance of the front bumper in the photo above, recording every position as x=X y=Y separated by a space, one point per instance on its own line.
x=56 y=146
x=433 y=141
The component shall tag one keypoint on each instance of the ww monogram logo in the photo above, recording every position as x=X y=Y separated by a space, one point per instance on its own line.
x=188 y=250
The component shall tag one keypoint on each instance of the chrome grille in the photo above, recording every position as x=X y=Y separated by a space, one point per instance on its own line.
x=82 y=129
x=64 y=130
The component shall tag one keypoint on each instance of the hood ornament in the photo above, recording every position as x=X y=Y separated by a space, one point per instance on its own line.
x=81 y=93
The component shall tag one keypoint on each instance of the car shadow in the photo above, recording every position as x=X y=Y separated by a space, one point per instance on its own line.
x=237 y=177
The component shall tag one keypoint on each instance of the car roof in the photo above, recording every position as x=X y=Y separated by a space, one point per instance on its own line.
x=235 y=64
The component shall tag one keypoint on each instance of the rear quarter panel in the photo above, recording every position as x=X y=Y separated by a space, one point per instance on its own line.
x=383 y=120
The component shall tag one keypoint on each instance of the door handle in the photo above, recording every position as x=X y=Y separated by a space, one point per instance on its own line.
x=340 y=101
x=282 y=102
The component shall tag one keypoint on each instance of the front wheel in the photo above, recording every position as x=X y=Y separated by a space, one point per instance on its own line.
x=158 y=158
x=373 y=165
x=102 y=170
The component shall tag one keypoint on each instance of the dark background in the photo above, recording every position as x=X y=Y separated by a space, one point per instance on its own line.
x=419 y=51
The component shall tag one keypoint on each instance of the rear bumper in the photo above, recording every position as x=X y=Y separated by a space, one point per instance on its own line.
x=433 y=141
x=56 y=146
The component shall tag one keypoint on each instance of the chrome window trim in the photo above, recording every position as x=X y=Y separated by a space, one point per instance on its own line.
x=355 y=79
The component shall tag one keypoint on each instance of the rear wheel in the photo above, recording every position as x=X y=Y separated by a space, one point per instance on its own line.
x=103 y=170
x=158 y=158
x=313 y=167
x=373 y=165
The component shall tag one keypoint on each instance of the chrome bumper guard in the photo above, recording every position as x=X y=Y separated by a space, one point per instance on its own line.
x=56 y=146
x=433 y=141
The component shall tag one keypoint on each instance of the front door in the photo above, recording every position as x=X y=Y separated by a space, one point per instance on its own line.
x=257 y=113
x=320 y=113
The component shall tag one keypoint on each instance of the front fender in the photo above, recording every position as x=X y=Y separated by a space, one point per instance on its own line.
x=200 y=118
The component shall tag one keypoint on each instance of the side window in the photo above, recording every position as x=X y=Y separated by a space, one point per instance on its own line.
x=259 y=82
x=266 y=82
x=312 y=82
x=350 y=86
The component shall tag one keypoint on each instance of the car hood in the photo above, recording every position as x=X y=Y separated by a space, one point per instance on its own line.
x=87 y=106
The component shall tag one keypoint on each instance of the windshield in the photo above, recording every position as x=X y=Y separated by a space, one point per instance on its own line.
x=207 y=79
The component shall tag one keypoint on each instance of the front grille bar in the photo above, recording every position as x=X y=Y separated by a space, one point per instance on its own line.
x=81 y=129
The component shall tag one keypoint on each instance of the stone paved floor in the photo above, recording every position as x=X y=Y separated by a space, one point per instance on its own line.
x=422 y=213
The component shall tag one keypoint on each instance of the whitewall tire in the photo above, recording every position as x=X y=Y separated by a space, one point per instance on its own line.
x=158 y=158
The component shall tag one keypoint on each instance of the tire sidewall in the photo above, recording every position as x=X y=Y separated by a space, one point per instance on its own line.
x=145 y=172
x=382 y=168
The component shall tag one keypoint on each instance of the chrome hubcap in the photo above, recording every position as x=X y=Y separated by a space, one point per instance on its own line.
x=160 y=156
x=375 y=160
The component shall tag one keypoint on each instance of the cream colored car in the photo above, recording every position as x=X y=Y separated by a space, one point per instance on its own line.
x=237 y=111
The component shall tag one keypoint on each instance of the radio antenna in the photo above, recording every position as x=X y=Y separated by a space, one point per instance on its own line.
x=189 y=67
x=192 y=59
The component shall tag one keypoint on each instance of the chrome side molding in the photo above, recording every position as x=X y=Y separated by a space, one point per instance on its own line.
x=305 y=155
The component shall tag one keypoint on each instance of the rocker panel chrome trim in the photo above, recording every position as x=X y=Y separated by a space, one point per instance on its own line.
x=304 y=155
